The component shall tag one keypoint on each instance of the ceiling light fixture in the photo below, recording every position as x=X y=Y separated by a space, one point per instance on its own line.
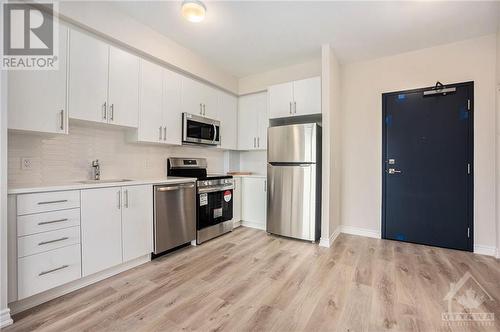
x=193 y=10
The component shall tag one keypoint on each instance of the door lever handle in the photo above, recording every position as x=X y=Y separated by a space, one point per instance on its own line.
x=393 y=171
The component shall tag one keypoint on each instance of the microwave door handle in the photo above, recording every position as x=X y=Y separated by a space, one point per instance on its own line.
x=215 y=132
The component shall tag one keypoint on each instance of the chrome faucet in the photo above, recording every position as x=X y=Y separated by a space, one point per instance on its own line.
x=97 y=169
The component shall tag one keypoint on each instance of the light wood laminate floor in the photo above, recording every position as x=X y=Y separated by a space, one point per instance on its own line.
x=248 y=280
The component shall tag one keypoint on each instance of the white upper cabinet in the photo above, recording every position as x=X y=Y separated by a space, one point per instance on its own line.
x=307 y=96
x=137 y=221
x=123 y=98
x=88 y=79
x=228 y=116
x=280 y=100
x=151 y=103
x=199 y=99
x=300 y=97
x=172 y=109
x=160 y=114
x=252 y=122
x=103 y=82
x=37 y=99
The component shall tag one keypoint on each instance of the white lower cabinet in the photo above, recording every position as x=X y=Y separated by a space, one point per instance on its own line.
x=43 y=271
x=237 y=200
x=116 y=226
x=137 y=221
x=101 y=229
x=254 y=202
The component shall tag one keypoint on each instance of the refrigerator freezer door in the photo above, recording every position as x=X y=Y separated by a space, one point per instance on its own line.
x=292 y=144
x=291 y=200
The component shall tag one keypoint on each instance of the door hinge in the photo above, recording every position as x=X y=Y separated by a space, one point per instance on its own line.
x=468 y=232
x=468 y=104
x=468 y=168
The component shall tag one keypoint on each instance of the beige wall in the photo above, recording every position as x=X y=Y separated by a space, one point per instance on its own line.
x=110 y=23
x=261 y=81
x=362 y=86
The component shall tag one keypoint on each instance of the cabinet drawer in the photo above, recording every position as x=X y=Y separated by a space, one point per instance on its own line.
x=47 y=221
x=47 y=270
x=42 y=202
x=37 y=243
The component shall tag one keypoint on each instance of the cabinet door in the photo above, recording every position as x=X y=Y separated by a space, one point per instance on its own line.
x=88 y=77
x=280 y=100
x=307 y=96
x=237 y=199
x=172 y=110
x=192 y=96
x=228 y=116
x=210 y=102
x=37 y=98
x=150 y=100
x=101 y=229
x=137 y=221
x=263 y=121
x=248 y=122
x=123 y=88
x=253 y=202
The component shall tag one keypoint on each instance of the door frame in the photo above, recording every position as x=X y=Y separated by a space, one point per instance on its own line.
x=470 y=154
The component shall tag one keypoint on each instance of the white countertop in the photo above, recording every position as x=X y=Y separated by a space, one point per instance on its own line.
x=77 y=185
x=251 y=176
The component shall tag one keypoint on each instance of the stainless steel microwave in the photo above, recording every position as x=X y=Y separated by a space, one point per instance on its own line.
x=200 y=130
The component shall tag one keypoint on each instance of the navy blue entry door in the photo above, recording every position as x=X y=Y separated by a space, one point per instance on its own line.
x=428 y=166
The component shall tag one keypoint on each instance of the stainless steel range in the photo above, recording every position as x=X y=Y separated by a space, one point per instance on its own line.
x=214 y=197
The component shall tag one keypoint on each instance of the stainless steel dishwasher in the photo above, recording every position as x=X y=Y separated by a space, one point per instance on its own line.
x=174 y=215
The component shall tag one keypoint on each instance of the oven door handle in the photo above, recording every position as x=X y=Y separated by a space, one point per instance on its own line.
x=214 y=189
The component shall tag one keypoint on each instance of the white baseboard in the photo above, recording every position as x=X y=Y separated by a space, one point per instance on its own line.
x=485 y=250
x=327 y=242
x=32 y=301
x=5 y=319
x=360 y=231
x=256 y=225
x=236 y=223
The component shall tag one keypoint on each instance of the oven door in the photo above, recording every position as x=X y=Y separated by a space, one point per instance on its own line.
x=199 y=130
x=214 y=206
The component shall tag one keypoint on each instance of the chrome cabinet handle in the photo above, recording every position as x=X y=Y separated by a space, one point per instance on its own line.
x=52 y=241
x=159 y=135
x=52 y=202
x=165 y=133
x=126 y=198
x=201 y=109
x=295 y=107
x=52 y=221
x=53 y=270
x=258 y=142
x=254 y=141
x=119 y=194
x=62 y=120
x=112 y=112
x=290 y=108
x=104 y=110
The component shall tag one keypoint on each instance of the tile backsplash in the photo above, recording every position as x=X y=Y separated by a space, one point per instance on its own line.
x=67 y=158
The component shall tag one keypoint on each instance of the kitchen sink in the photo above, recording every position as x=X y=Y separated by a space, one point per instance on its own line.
x=104 y=181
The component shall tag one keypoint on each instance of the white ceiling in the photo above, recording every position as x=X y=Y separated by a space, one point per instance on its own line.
x=248 y=37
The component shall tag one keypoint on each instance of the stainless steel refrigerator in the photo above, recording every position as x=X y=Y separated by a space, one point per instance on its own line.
x=294 y=181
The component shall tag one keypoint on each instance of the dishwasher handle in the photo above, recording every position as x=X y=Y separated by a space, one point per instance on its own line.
x=175 y=187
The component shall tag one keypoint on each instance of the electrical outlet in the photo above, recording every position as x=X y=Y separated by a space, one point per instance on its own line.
x=26 y=163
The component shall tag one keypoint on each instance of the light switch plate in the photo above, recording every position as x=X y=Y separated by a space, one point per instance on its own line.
x=26 y=163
